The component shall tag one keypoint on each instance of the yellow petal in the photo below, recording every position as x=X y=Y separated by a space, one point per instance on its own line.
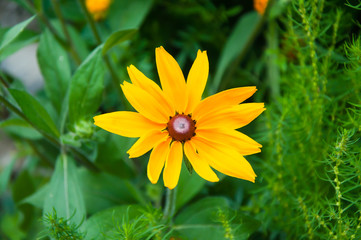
x=233 y=117
x=157 y=159
x=225 y=160
x=172 y=79
x=145 y=103
x=127 y=124
x=140 y=80
x=199 y=164
x=146 y=143
x=173 y=165
x=231 y=139
x=196 y=80
x=221 y=100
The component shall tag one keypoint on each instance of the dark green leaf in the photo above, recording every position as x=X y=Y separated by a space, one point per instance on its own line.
x=102 y=190
x=54 y=65
x=37 y=199
x=189 y=185
x=86 y=88
x=5 y=176
x=13 y=32
x=116 y=38
x=236 y=44
x=35 y=112
x=105 y=223
x=121 y=14
x=65 y=194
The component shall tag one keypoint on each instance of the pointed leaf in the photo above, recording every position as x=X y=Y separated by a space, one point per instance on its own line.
x=54 y=65
x=35 y=112
x=86 y=88
x=116 y=38
x=13 y=32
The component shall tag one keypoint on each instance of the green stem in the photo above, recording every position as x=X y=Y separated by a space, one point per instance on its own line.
x=81 y=158
x=66 y=32
x=272 y=67
x=114 y=76
x=46 y=22
x=169 y=207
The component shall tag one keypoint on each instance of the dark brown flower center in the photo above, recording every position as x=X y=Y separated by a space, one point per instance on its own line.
x=181 y=127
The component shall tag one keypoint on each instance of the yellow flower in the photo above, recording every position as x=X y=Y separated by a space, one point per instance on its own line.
x=97 y=8
x=260 y=6
x=175 y=120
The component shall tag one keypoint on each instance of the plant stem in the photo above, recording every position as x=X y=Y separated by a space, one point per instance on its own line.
x=81 y=158
x=169 y=207
x=114 y=76
x=66 y=32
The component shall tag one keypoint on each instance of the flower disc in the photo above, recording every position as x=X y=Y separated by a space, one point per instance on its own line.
x=181 y=127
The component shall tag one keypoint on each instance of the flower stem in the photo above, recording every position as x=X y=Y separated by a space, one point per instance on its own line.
x=169 y=207
x=66 y=32
x=110 y=67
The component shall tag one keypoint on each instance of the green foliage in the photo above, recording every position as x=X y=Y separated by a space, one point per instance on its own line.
x=303 y=56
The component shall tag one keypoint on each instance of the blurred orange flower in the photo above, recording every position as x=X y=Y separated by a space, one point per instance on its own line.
x=260 y=6
x=97 y=8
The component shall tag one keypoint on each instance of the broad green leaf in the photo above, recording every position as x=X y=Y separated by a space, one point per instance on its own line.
x=105 y=223
x=35 y=112
x=13 y=32
x=86 y=88
x=206 y=219
x=116 y=38
x=102 y=190
x=65 y=194
x=112 y=156
x=198 y=221
x=37 y=199
x=5 y=175
x=10 y=226
x=236 y=44
x=189 y=185
x=54 y=65
x=128 y=14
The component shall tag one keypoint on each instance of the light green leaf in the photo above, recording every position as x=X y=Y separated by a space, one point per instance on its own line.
x=189 y=185
x=54 y=65
x=102 y=190
x=13 y=32
x=211 y=218
x=5 y=176
x=65 y=194
x=236 y=44
x=121 y=15
x=37 y=199
x=116 y=38
x=35 y=112
x=105 y=223
x=86 y=88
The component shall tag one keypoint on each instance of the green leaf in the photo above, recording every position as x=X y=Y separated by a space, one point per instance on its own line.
x=65 y=194
x=102 y=190
x=122 y=13
x=236 y=44
x=37 y=199
x=35 y=112
x=54 y=65
x=13 y=32
x=105 y=223
x=211 y=218
x=116 y=38
x=189 y=185
x=198 y=221
x=86 y=88
x=5 y=176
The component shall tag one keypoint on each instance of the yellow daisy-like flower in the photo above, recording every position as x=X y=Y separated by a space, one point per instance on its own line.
x=97 y=8
x=260 y=6
x=176 y=120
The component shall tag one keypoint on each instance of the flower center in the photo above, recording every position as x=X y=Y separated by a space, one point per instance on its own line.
x=181 y=127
